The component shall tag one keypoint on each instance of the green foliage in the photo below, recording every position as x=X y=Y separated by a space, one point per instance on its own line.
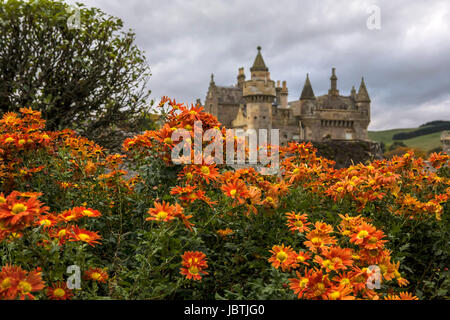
x=91 y=78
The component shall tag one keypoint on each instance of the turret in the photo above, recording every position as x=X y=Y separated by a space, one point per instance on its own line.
x=259 y=93
x=333 y=90
x=363 y=100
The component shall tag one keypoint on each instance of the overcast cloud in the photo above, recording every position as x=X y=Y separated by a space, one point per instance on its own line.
x=405 y=64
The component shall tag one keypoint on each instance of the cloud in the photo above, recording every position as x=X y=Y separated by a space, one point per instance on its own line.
x=405 y=64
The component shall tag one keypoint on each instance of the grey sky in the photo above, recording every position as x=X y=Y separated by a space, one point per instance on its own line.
x=405 y=64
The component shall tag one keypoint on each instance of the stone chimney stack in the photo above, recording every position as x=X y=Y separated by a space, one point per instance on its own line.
x=284 y=95
x=278 y=92
x=241 y=78
x=353 y=93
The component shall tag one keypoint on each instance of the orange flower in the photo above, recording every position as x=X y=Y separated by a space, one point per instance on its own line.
x=401 y=296
x=86 y=212
x=83 y=235
x=283 y=257
x=207 y=172
x=236 y=190
x=362 y=233
x=340 y=293
x=336 y=258
x=193 y=264
x=16 y=282
x=297 y=222
x=46 y=221
x=224 y=232
x=18 y=213
x=300 y=284
x=162 y=212
x=69 y=215
x=302 y=257
x=62 y=234
x=96 y=274
x=59 y=291
x=319 y=237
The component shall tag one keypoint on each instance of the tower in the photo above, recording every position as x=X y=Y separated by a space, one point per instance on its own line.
x=284 y=96
x=259 y=94
x=362 y=99
x=333 y=90
x=363 y=105
x=241 y=78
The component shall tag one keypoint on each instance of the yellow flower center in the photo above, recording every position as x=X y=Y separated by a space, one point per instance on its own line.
x=24 y=286
x=84 y=236
x=193 y=112
x=362 y=234
x=96 y=276
x=168 y=140
x=298 y=224
x=189 y=176
x=45 y=222
x=2 y=200
x=303 y=283
x=335 y=295
x=373 y=240
x=18 y=208
x=45 y=136
x=193 y=270
x=22 y=141
x=296 y=170
x=300 y=258
x=316 y=241
x=320 y=287
x=233 y=192
x=59 y=292
x=327 y=264
x=62 y=233
x=345 y=281
x=87 y=213
x=282 y=256
x=6 y=283
x=205 y=170
x=161 y=215
x=188 y=127
x=9 y=139
x=269 y=199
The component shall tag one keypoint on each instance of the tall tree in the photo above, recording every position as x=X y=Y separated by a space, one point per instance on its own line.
x=75 y=64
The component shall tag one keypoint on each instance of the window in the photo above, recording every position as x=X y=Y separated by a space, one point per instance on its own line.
x=348 y=136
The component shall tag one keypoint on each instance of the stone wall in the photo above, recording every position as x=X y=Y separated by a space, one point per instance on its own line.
x=347 y=153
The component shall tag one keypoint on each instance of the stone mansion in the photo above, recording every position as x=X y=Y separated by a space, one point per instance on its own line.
x=260 y=103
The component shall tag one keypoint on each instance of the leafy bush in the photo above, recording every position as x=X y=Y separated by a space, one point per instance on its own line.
x=89 y=77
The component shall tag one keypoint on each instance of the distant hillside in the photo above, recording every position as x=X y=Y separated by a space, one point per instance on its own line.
x=426 y=137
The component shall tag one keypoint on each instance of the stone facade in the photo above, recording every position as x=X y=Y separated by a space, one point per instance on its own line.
x=260 y=103
x=445 y=139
